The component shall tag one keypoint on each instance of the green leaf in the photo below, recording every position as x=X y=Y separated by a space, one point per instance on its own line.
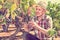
x=31 y=2
x=2 y=1
x=13 y=15
x=0 y=6
x=13 y=7
x=32 y=12
x=1 y=16
x=51 y=32
x=8 y=5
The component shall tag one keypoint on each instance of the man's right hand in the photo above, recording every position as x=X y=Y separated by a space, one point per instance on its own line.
x=36 y=26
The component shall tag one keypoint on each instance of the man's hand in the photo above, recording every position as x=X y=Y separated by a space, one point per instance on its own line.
x=36 y=26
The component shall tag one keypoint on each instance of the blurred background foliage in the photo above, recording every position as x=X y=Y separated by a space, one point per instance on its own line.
x=54 y=12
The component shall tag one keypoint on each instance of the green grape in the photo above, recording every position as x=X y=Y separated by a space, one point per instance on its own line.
x=51 y=32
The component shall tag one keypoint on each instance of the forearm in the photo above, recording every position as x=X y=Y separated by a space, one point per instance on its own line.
x=36 y=26
x=40 y=28
x=44 y=31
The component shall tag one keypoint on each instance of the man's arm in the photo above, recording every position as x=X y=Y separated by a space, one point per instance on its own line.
x=39 y=28
x=50 y=22
x=36 y=26
x=45 y=31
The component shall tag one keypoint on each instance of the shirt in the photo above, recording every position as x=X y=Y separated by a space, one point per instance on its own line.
x=46 y=23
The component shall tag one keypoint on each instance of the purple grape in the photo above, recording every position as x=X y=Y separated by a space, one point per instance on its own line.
x=5 y=29
x=26 y=18
x=3 y=11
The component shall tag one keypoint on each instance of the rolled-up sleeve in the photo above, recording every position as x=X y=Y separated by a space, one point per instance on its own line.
x=50 y=21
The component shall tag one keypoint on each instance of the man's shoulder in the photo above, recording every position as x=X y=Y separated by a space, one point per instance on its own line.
x=48 y=17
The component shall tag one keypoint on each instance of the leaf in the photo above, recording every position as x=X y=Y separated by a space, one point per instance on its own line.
x=0 y=6
x=7 y=15
x=31 y=2
x=2 y=1
x=25 y=1
x=1 y=16
x=32 y=12
x=8 y=5
x=47 y=12
x=13 y=15
x=54 y=10
x=25 y=7
x=13 y=7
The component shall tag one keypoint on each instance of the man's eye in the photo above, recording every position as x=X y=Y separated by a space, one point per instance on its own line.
x=39 y=9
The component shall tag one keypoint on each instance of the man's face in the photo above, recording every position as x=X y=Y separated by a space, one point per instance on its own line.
x=39 y=11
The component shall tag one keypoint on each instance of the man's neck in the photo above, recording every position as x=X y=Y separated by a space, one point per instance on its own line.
x=40 y=17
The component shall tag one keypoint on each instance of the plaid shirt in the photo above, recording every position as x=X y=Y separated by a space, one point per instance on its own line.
x=45 y=23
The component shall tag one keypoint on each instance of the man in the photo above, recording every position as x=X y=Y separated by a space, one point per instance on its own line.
x=43 y=24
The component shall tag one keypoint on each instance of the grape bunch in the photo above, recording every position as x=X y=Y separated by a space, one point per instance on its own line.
x=3 y=11
x=2 y=14
x=27 y=18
